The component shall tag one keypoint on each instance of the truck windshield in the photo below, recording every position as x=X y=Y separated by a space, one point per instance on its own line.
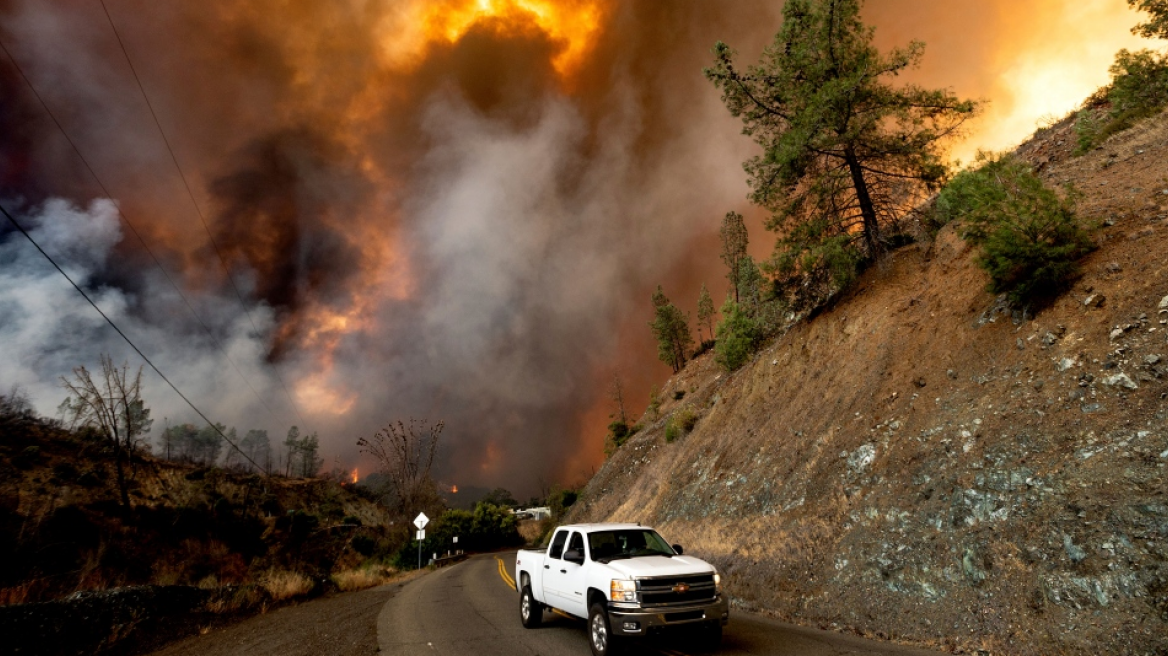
x=627 y=543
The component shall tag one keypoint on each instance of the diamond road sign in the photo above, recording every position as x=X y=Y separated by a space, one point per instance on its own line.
x=421 y=520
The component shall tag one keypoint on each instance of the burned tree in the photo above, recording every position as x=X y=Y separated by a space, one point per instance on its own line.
x=405 y=455
x=113 y=407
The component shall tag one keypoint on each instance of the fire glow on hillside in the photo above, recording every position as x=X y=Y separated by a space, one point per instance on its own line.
x=453 y=209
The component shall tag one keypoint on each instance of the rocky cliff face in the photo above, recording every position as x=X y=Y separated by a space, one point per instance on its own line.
x=916 y=463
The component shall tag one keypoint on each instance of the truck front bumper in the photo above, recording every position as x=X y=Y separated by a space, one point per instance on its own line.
x=629 y=620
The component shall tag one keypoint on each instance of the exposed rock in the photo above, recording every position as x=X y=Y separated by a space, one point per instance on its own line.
x=1120 y=380
x=1074 y=552
x=1065 y=364
x=862 y=457
x=1095 y=301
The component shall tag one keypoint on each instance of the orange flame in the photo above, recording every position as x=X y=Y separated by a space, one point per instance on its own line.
x=573 y=24
x=354 y=477
x=454 y=489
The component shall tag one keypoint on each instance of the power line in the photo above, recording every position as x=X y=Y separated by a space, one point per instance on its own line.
x=198 y=209
x=123 y=335
x=134 y=229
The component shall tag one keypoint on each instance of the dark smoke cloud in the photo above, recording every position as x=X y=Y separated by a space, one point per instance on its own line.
x=472 y=237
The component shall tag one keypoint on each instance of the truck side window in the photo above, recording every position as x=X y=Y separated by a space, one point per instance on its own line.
x=557 y=547
x=577 y=543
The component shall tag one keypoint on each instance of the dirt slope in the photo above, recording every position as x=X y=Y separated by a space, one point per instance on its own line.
x=917 y=464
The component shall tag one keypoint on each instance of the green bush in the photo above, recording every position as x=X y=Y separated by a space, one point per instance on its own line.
x=1138 y=89
x=1031 y=242
x=680 y=423
x=738 y=335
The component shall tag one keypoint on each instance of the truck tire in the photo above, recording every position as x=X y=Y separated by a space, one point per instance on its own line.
x=530 y=610
x=600 y=636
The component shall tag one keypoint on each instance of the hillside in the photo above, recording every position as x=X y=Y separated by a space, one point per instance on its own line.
x=915 y=463
x=198 y=546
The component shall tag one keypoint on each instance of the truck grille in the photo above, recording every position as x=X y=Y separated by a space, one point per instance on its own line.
x=672 y=590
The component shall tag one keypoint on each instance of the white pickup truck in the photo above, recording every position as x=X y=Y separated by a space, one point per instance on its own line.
x=625 y=579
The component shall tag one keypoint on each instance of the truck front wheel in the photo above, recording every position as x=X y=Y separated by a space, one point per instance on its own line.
x=530 y=611
x=600 y=636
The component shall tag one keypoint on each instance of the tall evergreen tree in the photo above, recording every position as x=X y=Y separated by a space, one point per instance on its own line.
x=844 y=152
x=291 y=449
x=705 y=312
x=734 y=242
x=671 y=328
x=309 y=461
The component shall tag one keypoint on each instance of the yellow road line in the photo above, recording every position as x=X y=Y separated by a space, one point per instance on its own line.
x=561 y=613
x=504 y=575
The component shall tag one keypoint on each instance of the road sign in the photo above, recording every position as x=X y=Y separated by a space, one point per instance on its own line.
x=456 y=539
x=421 y=535
x=421 y=520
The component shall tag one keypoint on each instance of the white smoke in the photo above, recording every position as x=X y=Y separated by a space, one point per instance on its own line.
x=47 y=328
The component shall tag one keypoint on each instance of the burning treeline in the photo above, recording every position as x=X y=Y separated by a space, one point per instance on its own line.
x=451 y=209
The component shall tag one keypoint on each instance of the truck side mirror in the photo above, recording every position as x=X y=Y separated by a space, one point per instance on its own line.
x=574 y=556
x=678 y=549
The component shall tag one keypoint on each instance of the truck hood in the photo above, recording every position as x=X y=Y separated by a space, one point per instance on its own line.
x=660 y=566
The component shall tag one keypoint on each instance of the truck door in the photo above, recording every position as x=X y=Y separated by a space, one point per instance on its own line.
x=575 y=599
x=551 y=569
x=559 y=577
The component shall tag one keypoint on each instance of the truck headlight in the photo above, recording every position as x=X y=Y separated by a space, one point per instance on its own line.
x=623 y=590
x=717 y=583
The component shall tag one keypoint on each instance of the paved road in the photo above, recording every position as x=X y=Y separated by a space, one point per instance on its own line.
x=470 y=609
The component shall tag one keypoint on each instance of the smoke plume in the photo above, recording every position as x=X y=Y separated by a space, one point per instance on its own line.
x=407 y=208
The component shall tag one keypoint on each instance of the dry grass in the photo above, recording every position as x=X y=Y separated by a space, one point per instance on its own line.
x=17 y=594
x=282 y=584
x=531 y=530
x=364 y=577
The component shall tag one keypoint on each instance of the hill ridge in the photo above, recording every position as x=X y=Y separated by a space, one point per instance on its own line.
x=916 y=463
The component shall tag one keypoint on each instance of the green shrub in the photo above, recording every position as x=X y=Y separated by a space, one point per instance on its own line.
x=654 y=408
x=738 y=335
x=1138 y=89
x=1030 y=240
x=671 y=432
x=618 y=433
x=680 y=423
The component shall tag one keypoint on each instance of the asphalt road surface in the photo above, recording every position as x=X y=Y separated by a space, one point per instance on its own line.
x=472 y=609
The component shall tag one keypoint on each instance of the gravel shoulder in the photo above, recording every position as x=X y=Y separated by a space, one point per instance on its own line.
x=342 y=624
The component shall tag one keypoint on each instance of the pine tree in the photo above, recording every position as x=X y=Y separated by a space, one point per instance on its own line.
x=291 y=449
x=705 y=312
x=734 y=242
x=1157 y=25
x=308 y=461
x=738 y=335
x=845 y=153
x=671 y=329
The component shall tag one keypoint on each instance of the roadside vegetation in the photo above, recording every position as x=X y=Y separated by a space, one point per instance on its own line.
x=1030 y=238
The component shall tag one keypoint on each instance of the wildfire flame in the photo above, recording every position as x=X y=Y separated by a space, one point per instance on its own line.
x=454 y=489
x=354 y=476
x=573 y=24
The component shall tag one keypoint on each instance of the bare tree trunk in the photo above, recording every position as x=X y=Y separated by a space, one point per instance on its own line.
x=867 y=209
